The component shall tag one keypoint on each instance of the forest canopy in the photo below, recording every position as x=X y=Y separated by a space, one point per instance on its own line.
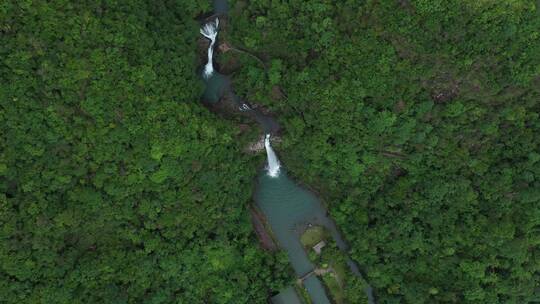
x=418 y=121
x=116 y=185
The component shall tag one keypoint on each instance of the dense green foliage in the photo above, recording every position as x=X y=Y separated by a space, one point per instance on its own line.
x=116 y=185
x=418 y=120
x=342 y=284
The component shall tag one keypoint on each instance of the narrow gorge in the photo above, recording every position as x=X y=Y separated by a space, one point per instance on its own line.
x=289 y=208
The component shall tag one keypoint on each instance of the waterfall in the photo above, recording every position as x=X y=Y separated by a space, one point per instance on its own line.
x=210 y=31
x=273 y=161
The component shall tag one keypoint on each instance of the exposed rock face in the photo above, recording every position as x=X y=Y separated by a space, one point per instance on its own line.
x=224 y=47
x=258 y=146
x=266 y=240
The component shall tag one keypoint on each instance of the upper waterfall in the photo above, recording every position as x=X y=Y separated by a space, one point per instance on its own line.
x=273 y=161
x=210 y=31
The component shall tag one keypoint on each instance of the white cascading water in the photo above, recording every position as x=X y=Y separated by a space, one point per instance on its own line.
x=210 y=31
x=273 y=161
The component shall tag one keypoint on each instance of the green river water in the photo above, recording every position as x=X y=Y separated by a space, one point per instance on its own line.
x=288 y=209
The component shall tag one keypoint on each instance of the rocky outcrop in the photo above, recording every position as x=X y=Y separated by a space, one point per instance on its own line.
x=258 y=146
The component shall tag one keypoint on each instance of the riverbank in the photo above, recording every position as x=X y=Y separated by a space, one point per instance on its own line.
x=288 y=208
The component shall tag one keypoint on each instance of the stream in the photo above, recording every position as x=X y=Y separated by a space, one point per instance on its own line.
x=288 y=207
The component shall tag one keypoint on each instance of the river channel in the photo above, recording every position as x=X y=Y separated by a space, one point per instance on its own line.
x=288 y=207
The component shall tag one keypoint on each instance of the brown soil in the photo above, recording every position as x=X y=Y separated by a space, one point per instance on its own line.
x=257 y=220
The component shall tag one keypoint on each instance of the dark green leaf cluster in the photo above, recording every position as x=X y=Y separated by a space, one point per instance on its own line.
x=116 y=185
x=419 y=122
